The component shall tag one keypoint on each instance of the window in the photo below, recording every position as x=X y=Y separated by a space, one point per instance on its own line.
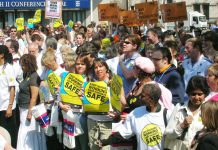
x=206 y=10
x=197 y=7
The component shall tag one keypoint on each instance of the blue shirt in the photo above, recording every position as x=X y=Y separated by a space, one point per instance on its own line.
x=129 y=63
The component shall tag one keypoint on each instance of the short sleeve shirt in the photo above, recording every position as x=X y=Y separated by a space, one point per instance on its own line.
x=24 y=95
x=7 y=79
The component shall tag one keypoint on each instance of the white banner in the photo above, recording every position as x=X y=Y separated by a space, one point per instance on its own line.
x=53 y=9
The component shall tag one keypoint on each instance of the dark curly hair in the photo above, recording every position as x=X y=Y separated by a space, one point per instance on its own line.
x=7 y=56
x=198 y=82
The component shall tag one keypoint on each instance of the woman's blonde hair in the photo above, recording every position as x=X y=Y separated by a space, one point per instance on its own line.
x=48 y=56
x=214 y=69
x=209 y=115
x=68 y=55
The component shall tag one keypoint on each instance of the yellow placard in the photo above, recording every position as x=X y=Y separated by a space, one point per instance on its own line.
x=70 y=23
x=53 y=81
x=96 y=97
x=37 y=16
x=116 y=86
x=30 y=21
x=20 y=24
x=57 y=23
x=71 y=88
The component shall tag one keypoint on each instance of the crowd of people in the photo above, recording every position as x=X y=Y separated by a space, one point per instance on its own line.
x=166 y=85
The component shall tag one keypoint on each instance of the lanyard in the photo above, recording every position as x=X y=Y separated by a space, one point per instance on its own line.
x=162 y=75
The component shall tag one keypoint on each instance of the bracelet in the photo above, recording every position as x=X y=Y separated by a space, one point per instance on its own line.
x=10 y=104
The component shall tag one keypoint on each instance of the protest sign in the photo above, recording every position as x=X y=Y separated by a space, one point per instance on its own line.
x=57 y=23
x=147 y=12
x=115 y=88
x=54 y=81
x=53 y=9
x=173 y=12
x=20 y=24
x=30 y=23
x=108 y=12
x=37 y=16
x=129 y=18
x=70 y=88
x=96 y=97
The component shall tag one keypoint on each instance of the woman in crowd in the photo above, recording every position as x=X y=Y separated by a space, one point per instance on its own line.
x=186 y=117
x=100 y=124
x=51 y=76
x=80 y=40
x=144 y=69
x=212 y=80
x=7 y=86
x=29 y=137
x=207 y=138
x=126 y=61
x=78 y=66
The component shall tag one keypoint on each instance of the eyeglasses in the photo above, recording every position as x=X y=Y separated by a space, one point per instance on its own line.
x=156 y=59
x=127 y=42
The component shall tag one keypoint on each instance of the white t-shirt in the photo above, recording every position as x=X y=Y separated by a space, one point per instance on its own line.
x=39 y=64
x=7 y=79
x=2 y=142
x=17 y=72
x=147 y=126
x=113 y=64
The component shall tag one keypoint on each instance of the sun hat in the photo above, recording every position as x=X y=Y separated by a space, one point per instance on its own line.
x=145 y=64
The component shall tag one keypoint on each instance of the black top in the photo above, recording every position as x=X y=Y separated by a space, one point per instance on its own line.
x=133 y=102
x=208 y=142
x=24 y=94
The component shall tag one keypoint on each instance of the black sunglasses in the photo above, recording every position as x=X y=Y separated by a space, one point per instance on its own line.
x=127 y=42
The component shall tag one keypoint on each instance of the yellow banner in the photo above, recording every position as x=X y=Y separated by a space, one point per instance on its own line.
x=20 y=24
x=70 y=23
x=72 y=87
x=116 y=86
x=53 y=81
x=37 y=16
x=96 y=97
x=57 y=23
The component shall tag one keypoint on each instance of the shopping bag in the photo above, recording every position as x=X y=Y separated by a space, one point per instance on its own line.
x=68 y=129
x=171 y=141
x=40 y=114
x=54 y=115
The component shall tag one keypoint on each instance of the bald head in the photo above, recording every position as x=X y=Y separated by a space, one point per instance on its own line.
x=33 y=49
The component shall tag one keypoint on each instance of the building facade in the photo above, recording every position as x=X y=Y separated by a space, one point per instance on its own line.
x=11 y=9
x=87 y=10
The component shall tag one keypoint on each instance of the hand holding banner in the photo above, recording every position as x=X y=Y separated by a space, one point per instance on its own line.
x=70 y=88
